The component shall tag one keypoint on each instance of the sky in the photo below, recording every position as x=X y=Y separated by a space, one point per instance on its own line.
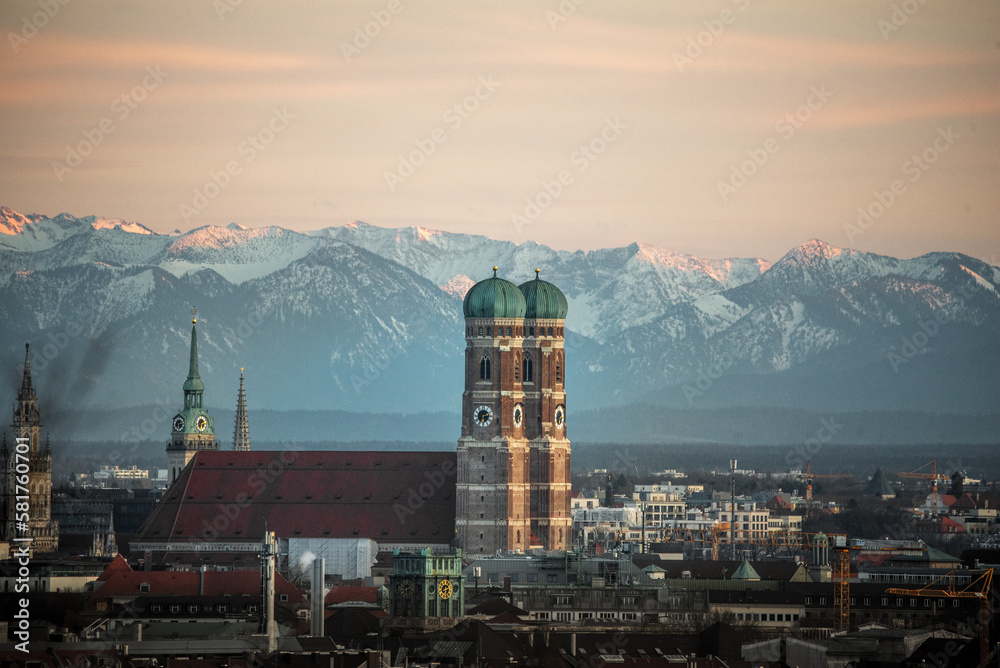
x=718 y=128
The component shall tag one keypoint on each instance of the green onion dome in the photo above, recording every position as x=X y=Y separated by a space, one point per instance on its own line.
x=543 y=300
x=494 y=298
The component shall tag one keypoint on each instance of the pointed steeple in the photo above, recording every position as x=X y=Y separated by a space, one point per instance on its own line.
x=26 y=388
x=193 y=382
x=241 y=433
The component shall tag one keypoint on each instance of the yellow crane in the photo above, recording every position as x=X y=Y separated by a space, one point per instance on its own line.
x=933 y=476
x=944 y=587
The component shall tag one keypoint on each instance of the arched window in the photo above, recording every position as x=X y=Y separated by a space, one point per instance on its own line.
x=518 y=536
x=559 y=363
x=480 y=331
x=550 y=331
x=489 y=331
x=528 y=369
x=484 y=368
x=508 y=331
x=517 y=368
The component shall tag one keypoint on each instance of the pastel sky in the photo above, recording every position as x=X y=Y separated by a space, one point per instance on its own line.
x=713 y=127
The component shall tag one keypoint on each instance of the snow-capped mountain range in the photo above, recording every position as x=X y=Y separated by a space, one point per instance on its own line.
x=365 y=318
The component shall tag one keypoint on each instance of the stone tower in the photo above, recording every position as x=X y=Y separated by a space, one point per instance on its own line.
x=193 y=428
x=28 y=458
x=543 y=377
x=513 y=484
x=241 y=432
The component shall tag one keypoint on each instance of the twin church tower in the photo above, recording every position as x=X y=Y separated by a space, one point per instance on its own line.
x=513 y=488
x=513 y=460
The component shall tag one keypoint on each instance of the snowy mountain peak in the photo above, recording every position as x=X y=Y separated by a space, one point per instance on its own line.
x=236 y=226
x=117 y=224
x=458 y=286
x=817 y=248
x=12 y=222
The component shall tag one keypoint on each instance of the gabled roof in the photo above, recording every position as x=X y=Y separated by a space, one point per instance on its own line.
x=316 y=494
x=964 y=502
x=117 y=565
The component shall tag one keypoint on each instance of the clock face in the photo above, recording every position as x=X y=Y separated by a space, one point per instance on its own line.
x=518 y=415
x=201 y=423
x=406 y=589
x=560 y=417
x=445 y=589
x=483 y=416
x=178 y=423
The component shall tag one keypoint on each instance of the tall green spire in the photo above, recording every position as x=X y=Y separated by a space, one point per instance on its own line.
x=193 y=382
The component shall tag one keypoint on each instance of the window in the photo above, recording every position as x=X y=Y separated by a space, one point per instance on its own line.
x=480 y=331
x=192 y=608
x=528 y=369
x=531 y=577
x=551 y=577
x=175 y=608
x=489 y=331
x=144 y=588
x=508 y=331
x=885 y=602
x=156 y=608
x=484 y=368
x=558 y=371
x=517 y=368
x=531 y=331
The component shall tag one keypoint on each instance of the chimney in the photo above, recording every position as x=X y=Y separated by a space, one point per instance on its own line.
x=201 y=581
x=572 y=644
x=318 y=590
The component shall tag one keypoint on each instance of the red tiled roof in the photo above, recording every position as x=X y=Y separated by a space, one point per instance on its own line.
x=188 y=583
x=117 y=565
x=349 y=594
x=402 y=497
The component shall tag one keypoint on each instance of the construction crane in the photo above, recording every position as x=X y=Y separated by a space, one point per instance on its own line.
x=809 y=475
x=944 y=587
x=933 y=476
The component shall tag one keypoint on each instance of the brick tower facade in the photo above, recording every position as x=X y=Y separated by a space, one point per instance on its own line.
x=513 y=456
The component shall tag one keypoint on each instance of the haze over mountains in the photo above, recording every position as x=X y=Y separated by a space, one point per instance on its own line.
x=367 y=319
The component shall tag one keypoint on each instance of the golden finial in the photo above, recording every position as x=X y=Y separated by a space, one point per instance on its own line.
x=241 y=372
x=537 y=272
x=194 y=312
x=495 y=271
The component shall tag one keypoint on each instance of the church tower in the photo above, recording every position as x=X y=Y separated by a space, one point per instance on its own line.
x=193 y=428
x=241 y=432
x=492 y=491
x=513 y=485
x=28 y=451
x=543 y=377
